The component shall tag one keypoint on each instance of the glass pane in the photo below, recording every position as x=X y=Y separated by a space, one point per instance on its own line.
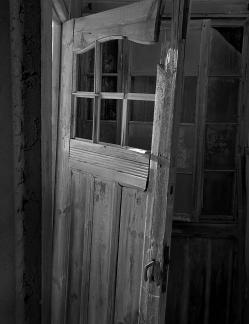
x=218 y=193
x=140 y=123
x=185 y=147
x=220 y=147
x=144 y=59
x=109 y=84
x=140 y=110
x=222 y=102
x=110 y=56
x=143 y=66
x=192 y=56
x=85 y=70
x=84 y=118
x=189 y=100
x=183 y=193
x=110 y=121
x=225 y=58
x=143 y=84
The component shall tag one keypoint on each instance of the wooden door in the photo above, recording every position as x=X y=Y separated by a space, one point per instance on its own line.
x=107 y=217
x=206 y=270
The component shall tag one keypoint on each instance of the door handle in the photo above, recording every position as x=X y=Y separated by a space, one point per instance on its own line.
x=155 y=274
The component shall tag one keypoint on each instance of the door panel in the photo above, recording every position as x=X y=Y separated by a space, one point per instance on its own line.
x=203 y=281
x=105 y=225
x=206 y=272
x=82 y=190
x=129 y=270
x=104 y=210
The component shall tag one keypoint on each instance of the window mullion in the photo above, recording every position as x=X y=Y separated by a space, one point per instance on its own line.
x=97 y=90
x=126 y=69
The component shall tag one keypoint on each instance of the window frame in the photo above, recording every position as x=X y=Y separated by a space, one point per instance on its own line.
x=123 y=69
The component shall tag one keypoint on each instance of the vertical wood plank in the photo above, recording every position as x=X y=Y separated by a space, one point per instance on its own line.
x=129 y=268
x=62 y=202
x=160 y=193
x=80 y=243
x=105 y=227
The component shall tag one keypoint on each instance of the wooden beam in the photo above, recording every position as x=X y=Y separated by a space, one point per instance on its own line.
x=203 y=8
x=62 y=202
x=46 y=156
x=159 y=206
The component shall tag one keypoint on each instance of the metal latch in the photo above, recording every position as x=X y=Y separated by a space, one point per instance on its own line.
x=155 y=273
x=158 y=273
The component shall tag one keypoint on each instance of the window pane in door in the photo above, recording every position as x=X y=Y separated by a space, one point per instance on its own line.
x=225 y=58
x=143 y=67
x=185 y=147
x=220 y=143
x=192 y=56
x=85 y=71
x=143 y=84
x=144 y=58
x=183 y=193
x=109 y=84
x=84 y=118
x=189 y=100
x=140 y=121
x=218 y=193
x=110 y=121
x=110 y=56
x=222 y=102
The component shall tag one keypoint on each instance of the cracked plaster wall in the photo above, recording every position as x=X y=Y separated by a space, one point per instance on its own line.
x=7 y=228
x=20 y=162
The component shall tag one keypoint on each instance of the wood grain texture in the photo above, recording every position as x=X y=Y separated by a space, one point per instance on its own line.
x=131 y=169
x=203 y=280
x=129 y=269
x=138 y=22
x=160 y=194
x=104 y=252
x=80 y=245
x=62 y=203
x=48 y=161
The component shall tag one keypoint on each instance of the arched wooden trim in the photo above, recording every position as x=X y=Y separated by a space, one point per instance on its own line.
x=138 y=22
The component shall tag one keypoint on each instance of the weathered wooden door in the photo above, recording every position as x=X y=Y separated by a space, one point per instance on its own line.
x=206 y=279
x=105 y=215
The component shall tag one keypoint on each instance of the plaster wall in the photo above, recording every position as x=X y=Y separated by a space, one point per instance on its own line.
x=7 y=226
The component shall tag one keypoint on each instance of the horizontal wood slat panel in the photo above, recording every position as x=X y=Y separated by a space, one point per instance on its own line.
x=124 y=166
